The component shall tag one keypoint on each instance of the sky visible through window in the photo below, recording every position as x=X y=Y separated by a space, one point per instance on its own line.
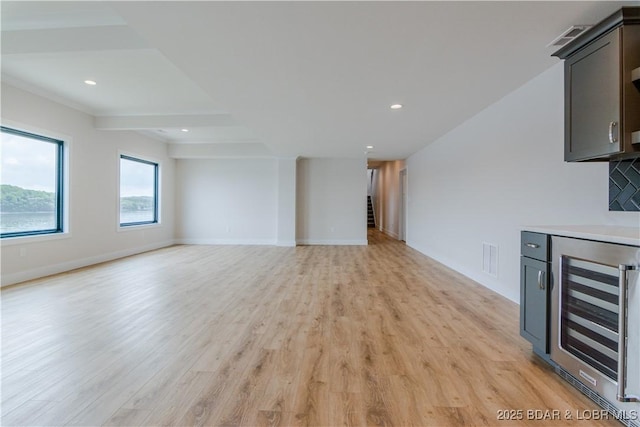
x=136 y=178
x=28 y=163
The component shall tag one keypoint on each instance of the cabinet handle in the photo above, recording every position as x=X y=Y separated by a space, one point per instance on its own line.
x=612 y=137
x=532 y=245
x=622 y=336
x=540 y=281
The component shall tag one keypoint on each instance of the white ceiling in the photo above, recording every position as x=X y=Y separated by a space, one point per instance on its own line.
x=288 y=78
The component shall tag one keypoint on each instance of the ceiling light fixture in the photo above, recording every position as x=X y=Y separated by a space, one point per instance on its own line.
x=90 y=82
x=369 y=147
x=184 y=130
x=396 y=106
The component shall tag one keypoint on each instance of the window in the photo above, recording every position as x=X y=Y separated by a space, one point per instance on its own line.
x=30 y=184
x=138 y=191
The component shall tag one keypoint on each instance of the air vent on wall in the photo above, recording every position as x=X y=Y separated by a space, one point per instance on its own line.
x=490 y=259
x=569 y=35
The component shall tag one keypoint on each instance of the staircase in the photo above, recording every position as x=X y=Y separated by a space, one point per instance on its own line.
x=371 y=219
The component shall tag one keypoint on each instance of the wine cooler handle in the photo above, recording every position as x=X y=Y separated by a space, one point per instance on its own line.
x=622 y=336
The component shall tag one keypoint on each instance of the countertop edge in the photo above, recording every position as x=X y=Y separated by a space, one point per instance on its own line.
x=610 y=234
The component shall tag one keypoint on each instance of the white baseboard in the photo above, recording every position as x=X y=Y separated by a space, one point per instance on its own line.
x=330 y=242
x=391 y=233
x=48 y=270
x=476 y=276
x=287 y=243
x=268 y=242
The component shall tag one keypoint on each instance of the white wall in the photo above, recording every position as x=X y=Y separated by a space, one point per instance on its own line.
x=497 y=172
x=92 y=191
x=331 y=201
x=227 y=201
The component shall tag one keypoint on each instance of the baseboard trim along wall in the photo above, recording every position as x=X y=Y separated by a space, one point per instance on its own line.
x=461 y=269
x=258 y=242
x=356 y=242
x=391 y=233
x=48 y=270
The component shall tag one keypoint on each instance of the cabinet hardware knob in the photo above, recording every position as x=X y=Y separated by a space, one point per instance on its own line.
x=612 y=137
x=532 y=245
x=540 y=281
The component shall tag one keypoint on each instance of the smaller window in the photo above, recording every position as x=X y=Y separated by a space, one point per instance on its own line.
x=138 y=191
x=30 y=184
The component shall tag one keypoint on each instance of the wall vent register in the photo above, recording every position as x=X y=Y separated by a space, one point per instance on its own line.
x=569 y=35
x=490 y=259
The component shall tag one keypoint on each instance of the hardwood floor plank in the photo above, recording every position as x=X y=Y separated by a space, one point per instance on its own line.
x=346 y=409
x=128 y=417
x=175 y=402
x=118 y=392
x=23 y=414
x=270 y=336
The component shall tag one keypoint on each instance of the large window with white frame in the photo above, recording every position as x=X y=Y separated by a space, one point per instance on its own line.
x=138 y=191
x=31 y=184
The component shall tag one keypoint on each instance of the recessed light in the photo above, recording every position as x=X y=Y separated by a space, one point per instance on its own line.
x=396 y=106
x=184 y=130
x=369 y=147
x=90 y=82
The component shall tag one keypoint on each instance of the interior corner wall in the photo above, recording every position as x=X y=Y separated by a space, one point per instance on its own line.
x=92 y=191
x=497 y=172
x=227 y=201
x=287 y=201
x=331 y=199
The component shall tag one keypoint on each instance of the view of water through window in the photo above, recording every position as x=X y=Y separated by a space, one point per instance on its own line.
x=137 y=191
x=29 y=181
x=25 y=221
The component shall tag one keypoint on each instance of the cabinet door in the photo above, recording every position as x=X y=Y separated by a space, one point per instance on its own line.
x=592 y=100
x=534 y=279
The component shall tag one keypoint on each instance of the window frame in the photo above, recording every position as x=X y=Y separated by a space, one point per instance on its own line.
x=59 y=187
x=156 y=192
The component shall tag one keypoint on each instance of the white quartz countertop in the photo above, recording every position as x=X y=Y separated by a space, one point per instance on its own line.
x=601 y=233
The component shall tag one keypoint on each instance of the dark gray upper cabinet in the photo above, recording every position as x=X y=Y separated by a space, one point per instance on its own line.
x=602 y=103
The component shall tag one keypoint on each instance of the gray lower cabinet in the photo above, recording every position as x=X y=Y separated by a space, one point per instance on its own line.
x=534 y=291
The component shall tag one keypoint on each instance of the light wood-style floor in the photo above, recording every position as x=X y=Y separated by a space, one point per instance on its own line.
x=316 y=335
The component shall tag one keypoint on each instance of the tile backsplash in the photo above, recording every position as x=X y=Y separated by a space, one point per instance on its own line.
x=624 y=185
